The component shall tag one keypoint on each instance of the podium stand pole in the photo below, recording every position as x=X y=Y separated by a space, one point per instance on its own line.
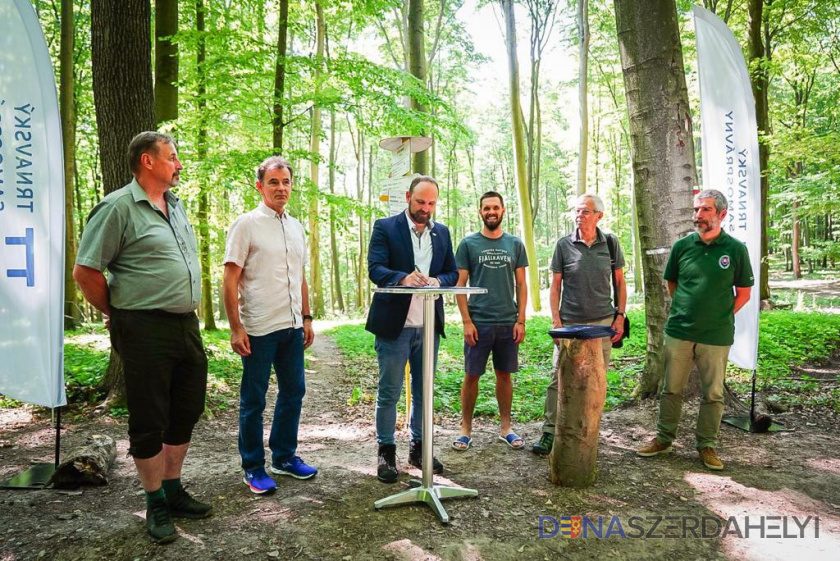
x=426 y=491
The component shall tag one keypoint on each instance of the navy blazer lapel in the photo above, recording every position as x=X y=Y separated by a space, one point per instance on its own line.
x=438 y=251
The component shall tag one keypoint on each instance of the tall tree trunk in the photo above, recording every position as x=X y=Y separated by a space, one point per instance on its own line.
x=369 y=217
x=795 y=242
x=759 y=58
x=316 y=288
x=204 y=187
x=664 y=171
x=518 y=126
x=166 y=61
x=417 y=67
x=583 y=92
x=336 y=272
x=68 y=136
x=361 y=276
x=121 y=58
x=280 y=76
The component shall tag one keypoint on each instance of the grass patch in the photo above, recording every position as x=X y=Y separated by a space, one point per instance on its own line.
x=535 y=363
x=787 y=339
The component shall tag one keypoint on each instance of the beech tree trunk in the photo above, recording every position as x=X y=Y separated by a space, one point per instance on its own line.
x=759 y=50
x=72 y=311
x=664 y=171
x=417 y=67
x=581 y=395
x=336 y=258
x=166 y=61
x=121 y=58
x=583 y=92
x=316 y=285
x=280 y=76
x=203 y=229
x=519 y=151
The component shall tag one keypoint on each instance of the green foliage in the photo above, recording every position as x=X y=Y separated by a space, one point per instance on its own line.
x=84 y=367
x=787 y=340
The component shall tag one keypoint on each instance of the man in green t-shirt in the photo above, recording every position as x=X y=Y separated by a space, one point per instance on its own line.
x=702 y=271
x=493 y=322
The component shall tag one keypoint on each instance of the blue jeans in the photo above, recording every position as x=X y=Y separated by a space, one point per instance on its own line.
x=392 y=355
x=283 y=349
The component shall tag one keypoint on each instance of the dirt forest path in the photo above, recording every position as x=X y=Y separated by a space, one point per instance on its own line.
x=332 y=516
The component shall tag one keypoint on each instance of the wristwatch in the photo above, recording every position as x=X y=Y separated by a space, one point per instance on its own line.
x=620 y=313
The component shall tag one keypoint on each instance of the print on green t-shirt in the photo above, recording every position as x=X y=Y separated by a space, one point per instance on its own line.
x=491 y=264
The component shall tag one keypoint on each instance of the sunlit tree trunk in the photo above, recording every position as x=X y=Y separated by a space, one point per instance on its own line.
x=166 y=61
x=417 y=67
x=121 y=57
x=664 y=169
x=583 y=92
x=759 y=50
x=519 y=151
x=541 y=14
x=316 y=286
x=68 y=136
x=280 y=76
x=336 y=271
x=204 y=187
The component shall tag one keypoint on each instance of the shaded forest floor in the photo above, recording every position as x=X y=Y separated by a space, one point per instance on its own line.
x=332 y=517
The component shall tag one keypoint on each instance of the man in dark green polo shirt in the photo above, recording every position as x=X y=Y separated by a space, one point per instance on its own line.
x=710 y=278
x=141 y=234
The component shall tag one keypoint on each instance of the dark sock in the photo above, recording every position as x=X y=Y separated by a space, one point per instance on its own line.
x=158 y=495
x=171 y=486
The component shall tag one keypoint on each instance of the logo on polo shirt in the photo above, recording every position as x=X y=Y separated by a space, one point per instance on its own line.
x=724 y=262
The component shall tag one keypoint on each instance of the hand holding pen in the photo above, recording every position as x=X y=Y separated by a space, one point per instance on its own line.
x=417 y=278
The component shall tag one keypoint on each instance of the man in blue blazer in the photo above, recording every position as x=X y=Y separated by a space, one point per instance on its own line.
x=408 y=249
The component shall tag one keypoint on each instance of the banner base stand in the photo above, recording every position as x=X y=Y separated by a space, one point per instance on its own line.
x=743 y=423
x=35 y=477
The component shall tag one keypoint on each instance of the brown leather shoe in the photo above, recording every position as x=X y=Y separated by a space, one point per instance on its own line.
x=710 y=459
x=655 y=448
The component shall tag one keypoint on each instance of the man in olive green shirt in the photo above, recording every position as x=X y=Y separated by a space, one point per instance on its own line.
x=710 y=278
x=141 y=234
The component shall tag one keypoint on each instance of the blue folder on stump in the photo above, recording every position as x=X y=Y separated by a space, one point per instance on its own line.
x=582 y=332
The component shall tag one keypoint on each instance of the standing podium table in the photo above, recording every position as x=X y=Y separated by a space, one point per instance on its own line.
x=426 y=491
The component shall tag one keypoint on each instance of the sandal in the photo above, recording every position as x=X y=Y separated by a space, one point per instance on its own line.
x=513 y=440
x=462 y=443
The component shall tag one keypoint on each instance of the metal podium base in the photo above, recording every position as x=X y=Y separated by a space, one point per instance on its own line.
x=429 y=495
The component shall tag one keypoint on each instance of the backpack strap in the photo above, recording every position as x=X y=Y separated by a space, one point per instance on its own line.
x=611 y=243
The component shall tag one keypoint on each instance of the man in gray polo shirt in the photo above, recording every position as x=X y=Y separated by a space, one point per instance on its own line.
x=582 y=272
x=141 y=234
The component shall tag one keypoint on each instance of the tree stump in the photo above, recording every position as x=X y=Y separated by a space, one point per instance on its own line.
x=581 y=395
x=88 y=465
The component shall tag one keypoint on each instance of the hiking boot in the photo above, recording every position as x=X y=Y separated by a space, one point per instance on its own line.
x=710 y=459
x=182 y=505
x=259 y=481
x=654 y=448
x=296 y=468
x=543 y=445
x=415 y=457
x=159 y=523
x=386 y=468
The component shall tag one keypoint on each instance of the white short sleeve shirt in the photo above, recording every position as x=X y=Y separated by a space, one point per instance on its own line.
x=271 y=249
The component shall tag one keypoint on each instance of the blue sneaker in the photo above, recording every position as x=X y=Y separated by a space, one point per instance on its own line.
x=295 y=467
x=259 y=482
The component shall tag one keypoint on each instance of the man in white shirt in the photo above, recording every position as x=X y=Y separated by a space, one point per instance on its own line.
x=267 y=302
